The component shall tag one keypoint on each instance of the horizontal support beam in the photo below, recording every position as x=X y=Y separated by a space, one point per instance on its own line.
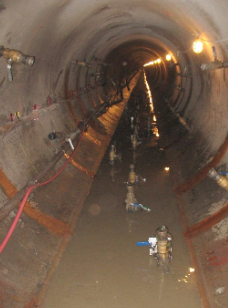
x=54 y=225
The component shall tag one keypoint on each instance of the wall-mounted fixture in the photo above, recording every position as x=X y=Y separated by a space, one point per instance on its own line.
x=51 y=99
x=52 y=136
x=216 y=64
x=55 y=135
x=112 y=154
x=197 y=46
x=18 y=115
x=96 y=59
x=80 y=63
x=214 y=53
x=15 y=56
x=12 y=117
x=220 y=179
x=178 y=54
x=35 y=112
x=94 y=74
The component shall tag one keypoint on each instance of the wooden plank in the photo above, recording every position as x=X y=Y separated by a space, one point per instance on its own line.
x=54 y=225
x=79 y=167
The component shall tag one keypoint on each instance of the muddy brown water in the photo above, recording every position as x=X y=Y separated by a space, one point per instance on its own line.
x=102 y=266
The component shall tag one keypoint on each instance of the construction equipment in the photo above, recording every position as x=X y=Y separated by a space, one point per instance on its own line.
x=160 y=247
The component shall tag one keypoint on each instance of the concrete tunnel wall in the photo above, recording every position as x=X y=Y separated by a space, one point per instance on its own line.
x=59 y=32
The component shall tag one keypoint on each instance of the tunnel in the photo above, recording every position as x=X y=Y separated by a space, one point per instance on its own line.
x=73 y=76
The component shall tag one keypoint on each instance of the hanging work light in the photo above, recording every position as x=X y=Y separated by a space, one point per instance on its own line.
x=197 y=46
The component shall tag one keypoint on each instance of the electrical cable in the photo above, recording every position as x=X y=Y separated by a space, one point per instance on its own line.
x=185 y=51
x=12 y=227
x=222 y=40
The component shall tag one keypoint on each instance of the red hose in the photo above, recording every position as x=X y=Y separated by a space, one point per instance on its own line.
x=11 y=229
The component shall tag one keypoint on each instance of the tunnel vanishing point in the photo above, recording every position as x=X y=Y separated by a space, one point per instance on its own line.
x=67 y=70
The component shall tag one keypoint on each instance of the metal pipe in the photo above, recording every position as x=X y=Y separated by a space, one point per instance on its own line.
x=214 y=65
x=16 y=56
x=80 y=63
x=70 y=143
x=220 y=179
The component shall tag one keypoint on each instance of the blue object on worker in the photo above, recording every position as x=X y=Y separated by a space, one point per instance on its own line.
x=223 y=173
x=143 y=243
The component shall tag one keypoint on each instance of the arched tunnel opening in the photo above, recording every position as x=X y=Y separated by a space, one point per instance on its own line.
x=87 y=91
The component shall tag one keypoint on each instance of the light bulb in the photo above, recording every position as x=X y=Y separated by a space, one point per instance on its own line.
x=168 y=57
x=197 y=46
x=158 y=60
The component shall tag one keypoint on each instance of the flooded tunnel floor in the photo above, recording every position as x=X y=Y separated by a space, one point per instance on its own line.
x=102 y=266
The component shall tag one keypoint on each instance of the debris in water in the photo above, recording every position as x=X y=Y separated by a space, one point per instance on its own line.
x=220 y=291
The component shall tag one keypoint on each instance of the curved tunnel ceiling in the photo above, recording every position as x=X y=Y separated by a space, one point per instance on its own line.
x=111 y=39
x=59 y=32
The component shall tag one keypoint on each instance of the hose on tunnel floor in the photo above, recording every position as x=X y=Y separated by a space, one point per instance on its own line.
x=30 y=189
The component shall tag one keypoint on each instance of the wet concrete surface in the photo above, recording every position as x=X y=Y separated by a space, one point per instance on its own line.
x=102 y=266
x=202 y=202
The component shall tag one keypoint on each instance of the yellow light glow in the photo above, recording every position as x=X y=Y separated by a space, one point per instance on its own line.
x=149 y=93
x=191 y=270
x=168 y=57
x=152 y=62
x=167 y=169
x=149 y=63
x=154 y=118
x=197 y=46
x=155 y=131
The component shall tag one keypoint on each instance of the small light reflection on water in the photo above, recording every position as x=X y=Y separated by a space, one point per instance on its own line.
x=191 y=270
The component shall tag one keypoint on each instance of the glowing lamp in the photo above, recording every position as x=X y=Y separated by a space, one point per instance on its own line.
x=168 y=57
x=197 y=46
x=158 y=60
